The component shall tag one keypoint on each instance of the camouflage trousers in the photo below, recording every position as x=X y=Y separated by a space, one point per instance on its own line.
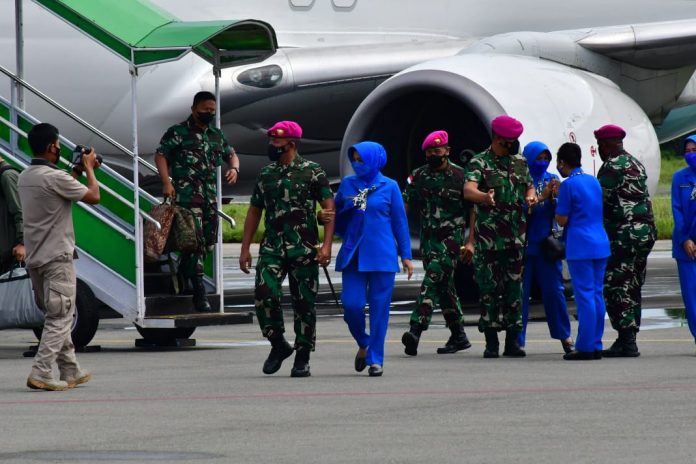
x=438 y=289
x=191 y=264
x=303 y=274
x=623 y=282
x=499 y=277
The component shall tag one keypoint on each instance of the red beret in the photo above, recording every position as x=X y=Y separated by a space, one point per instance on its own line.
x=507 y=127
x=285 y=130
x=609 y=131
x=435 y=139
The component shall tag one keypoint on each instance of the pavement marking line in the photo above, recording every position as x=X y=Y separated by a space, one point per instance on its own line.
x=364 y=394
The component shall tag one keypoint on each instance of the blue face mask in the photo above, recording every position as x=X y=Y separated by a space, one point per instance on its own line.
x=690 y=159
x=537 y=168
x=361 y=169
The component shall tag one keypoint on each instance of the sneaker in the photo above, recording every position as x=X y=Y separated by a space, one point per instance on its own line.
x=41 y=383
x=76 y=378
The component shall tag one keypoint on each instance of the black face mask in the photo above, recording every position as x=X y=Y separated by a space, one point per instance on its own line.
x=435 y=161
x=274 y=153
x=205 y=118
x=513 y=147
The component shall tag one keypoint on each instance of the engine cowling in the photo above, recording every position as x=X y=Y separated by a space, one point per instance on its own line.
x=462 y=94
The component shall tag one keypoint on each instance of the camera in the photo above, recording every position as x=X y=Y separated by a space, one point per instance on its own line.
x=77 y=155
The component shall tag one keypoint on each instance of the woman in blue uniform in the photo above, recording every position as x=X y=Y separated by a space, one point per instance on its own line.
x=371 y=220
x=684 y=234
x=549 y=274
x=579 y=211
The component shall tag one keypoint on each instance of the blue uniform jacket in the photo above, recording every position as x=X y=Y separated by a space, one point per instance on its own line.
x=541 y=220
x=385 y=228
x=580 y=198
x=684 y=211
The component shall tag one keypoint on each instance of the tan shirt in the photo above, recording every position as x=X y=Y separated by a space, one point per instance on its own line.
x=47 y=193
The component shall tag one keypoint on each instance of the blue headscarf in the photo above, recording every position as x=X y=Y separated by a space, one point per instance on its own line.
x=536 y=168
x=374 y=158
x=691 y=138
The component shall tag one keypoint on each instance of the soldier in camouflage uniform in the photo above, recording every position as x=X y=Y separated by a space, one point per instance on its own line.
x=498 y=181
x=288 y=189
x=630 y=225
x=193 y=149
x=437 y=190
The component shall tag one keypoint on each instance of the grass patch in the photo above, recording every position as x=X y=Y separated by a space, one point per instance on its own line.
x=662 y=209
x=239 y=211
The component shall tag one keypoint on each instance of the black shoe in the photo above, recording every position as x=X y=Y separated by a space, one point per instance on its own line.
x=375 y=371
x=512 y=346
x=625 y=346
x=200 y=296
x=567 y=347
x=598 y=354
x=280 y=351
x=458 y=340
x=360 y=363
x=492 y=344
x=411 y=338
x=579 y=356
x=301 y=366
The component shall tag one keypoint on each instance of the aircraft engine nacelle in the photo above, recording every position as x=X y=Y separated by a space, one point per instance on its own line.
x=462 y=94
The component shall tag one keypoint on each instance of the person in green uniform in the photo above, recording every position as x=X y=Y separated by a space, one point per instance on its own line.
x=11 y=230
x=498 y=182
x=288 y=190
x=437 y=190
x=630 y=225
x=193 y=149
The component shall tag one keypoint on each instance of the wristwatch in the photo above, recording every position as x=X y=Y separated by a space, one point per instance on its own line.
x=235 y=168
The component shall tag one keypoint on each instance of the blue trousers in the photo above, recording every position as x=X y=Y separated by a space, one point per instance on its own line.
x=360 y=288
x=687 y=280
x=549 y=274
x=588 y=286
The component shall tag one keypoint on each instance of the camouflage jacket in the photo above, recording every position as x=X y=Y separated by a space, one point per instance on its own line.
x=193 y=155
x=289 y=195
x=628 y=216
x=439 y=198
x=504 y=225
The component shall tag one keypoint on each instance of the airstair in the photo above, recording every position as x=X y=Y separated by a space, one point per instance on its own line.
x=110 y=269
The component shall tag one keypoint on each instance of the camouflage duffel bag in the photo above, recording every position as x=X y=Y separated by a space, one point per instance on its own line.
x=185 y=236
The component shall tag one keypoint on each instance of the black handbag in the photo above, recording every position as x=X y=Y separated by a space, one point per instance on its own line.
x=552 y=248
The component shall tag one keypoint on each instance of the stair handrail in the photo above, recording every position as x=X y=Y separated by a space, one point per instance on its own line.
x=90 y=127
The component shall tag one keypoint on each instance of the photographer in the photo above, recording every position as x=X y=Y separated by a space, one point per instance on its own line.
x=11 y=229
x=47 y=193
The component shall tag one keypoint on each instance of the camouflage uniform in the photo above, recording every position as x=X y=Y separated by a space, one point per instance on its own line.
x=289 y=195
x=500 y=238
x=630 y=225
x=439 y=198
x=193 y=155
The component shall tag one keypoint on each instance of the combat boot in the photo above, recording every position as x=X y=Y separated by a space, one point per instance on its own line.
x=512 y=346
x=411 y=338
x=200 y=296
x=280 y=350
x=301 y=366
x=458 y=340
x=625 y=346
x=492 y=344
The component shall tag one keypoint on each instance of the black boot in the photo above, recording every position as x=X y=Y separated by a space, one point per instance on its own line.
x=458 y=340
x=280 y=350
x=200 y=296
x=411 y=338
x=512 y=346
x=301 y=366
x=624 y=346
x=492 y=344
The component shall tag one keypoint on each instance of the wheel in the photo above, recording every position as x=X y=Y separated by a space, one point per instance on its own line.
x=165 y=336
x=86 y=318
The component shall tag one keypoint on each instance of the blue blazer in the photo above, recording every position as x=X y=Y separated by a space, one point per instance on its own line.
x=385 y=228
x=684 y=211
x=580 y=198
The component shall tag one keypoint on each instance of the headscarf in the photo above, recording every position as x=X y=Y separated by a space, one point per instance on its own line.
x=531 y=151
x=374 y=158
x=690 y=158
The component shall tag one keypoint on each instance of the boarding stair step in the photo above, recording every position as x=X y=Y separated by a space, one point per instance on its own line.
x=174 y=305
x=201 y=319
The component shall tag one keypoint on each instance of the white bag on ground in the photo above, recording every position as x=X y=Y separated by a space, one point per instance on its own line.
x=18 y=308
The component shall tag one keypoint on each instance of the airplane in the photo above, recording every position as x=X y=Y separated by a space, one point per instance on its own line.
x=391 y=71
